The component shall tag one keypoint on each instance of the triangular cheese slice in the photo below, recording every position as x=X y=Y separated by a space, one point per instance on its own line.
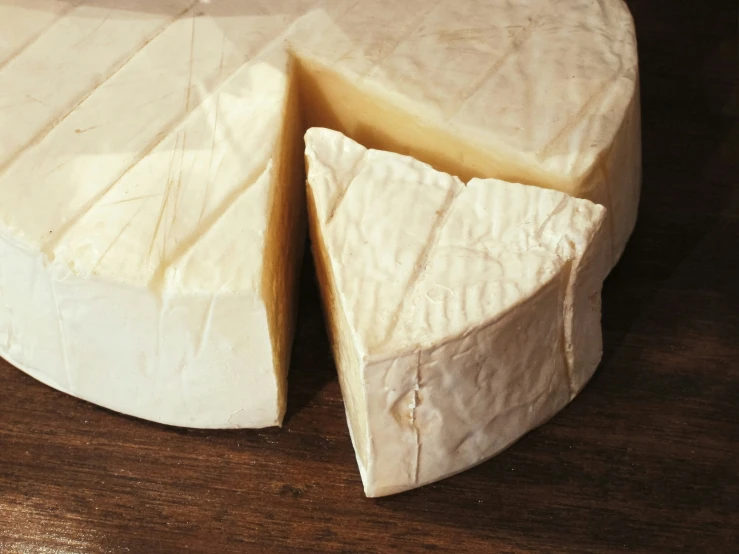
x=461 y=315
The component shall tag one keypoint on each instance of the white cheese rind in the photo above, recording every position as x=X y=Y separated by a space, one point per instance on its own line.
x=472 y=312
x=127 y=133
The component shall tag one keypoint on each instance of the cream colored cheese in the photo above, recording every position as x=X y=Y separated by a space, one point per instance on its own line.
x=151 y=196
x=461 y=316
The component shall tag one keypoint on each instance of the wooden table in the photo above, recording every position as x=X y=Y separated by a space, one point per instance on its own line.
x=645 y=460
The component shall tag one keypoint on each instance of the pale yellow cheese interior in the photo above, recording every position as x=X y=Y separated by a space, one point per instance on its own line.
x=342 y=341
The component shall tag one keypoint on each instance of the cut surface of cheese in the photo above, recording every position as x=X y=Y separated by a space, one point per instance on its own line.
x=461 y=316
x=152 y=178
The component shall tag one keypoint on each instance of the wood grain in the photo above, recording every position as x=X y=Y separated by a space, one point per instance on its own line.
x=645 y=460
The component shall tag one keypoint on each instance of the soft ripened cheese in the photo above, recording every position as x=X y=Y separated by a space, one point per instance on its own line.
x=461 y=316
x=151 y=194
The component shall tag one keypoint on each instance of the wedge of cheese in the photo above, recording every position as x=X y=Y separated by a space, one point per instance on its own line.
x=461 y=316
x=152 y=177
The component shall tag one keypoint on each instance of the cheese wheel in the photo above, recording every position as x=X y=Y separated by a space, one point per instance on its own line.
x=152 y=191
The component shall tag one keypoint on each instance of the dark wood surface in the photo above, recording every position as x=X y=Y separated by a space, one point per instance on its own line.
x=646 y=459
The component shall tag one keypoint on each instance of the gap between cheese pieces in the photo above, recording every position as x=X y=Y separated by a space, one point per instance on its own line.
x=152 y=183
x=461 y=316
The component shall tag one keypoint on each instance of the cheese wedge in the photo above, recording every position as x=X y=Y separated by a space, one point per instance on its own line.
x=152 y=182
x=461 y=316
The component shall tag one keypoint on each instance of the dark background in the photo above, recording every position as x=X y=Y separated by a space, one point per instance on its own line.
x=646 y=459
